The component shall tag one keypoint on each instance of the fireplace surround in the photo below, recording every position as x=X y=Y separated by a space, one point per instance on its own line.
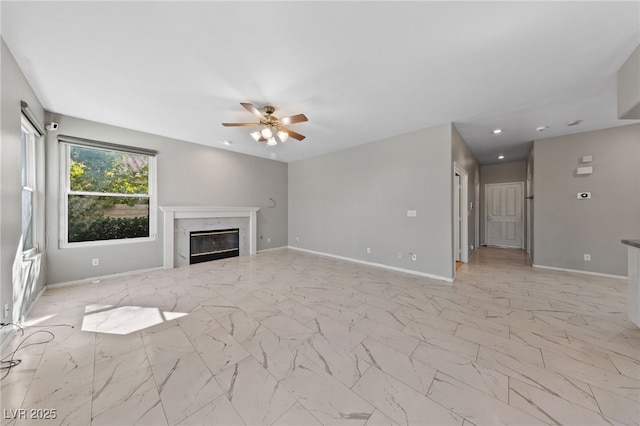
x=220 y=217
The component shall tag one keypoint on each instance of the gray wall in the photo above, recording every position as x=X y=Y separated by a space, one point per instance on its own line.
x=515 y=171
x=14 y=89
x=188 y=174
x=343 y=202
x=465 y=159
x=566 y=227
x=629 y=87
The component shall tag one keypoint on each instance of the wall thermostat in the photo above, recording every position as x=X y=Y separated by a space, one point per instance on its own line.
x=584 y=195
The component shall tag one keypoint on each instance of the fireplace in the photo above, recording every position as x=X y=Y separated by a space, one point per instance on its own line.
x=179 y=221
x=214 y=244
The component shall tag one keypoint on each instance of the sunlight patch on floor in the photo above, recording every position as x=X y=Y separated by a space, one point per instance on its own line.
x=125 y=319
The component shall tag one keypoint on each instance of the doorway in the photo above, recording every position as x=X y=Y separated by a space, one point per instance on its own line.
x=503 y=214
x=460 y=216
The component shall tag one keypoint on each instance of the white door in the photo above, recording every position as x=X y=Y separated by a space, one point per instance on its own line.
x=504 y=214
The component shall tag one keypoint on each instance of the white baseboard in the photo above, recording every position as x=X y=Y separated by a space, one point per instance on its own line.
x=103 y=277
x=377 y=265
x=577 y=271
x=272 y=249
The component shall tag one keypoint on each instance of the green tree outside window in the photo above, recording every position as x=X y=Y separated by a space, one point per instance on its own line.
x=109 y=195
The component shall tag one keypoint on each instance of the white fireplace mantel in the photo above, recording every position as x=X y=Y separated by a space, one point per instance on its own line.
x=172 y=213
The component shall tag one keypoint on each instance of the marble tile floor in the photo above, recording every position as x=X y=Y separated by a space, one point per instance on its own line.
x=290 y=338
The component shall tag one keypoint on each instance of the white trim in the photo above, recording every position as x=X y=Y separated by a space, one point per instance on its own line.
x=577 y=271
x=98 y=243
x=31 y=184
x=476 y=209
x=377 y=265
x=171 y=213
x=102 y=277
x=108 y=194
x=65 y=190
x=272 y=249
x=464 y=226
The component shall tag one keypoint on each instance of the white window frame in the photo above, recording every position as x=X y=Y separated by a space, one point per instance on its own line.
x=65 y=191
x=29 y=182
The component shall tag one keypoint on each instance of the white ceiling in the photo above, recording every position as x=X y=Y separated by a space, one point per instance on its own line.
x=361 y=71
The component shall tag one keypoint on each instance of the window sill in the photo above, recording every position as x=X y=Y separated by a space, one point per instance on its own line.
x=84 y=244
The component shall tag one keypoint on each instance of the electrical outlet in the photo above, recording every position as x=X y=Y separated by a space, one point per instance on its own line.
x=399 y=255
x=368 y=249
x=297 y=238
x=414 y=257
x=95 y=262
x=268 y=239
x=587 y=257
x=471 y=246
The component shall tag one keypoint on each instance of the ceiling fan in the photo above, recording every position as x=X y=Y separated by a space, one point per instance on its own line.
x=272 y=126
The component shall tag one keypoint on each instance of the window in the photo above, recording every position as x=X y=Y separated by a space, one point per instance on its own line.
x=28 y=156
x=108 y=193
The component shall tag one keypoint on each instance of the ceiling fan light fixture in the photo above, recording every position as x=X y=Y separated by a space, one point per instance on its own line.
x=282 y=135
x=256 y=135
x=270 y=128
x=267 y=133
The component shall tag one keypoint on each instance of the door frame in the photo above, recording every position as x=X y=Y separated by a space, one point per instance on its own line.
x=486 y=212
x=457 y=222
x=476 y=211
x=528 y=224
x=464 y=220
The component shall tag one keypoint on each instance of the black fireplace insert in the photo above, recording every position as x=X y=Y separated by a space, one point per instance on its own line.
x=213 y=245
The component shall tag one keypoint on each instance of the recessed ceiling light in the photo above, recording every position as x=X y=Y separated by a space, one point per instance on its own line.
x=573 y=123
x=541 y=128
x=497 y=131
x=500 y=157
x=227 y=143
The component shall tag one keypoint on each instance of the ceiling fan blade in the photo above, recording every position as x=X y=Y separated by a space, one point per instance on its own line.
x=240 y=124
x=298 y=118
x=253 y=110
x=293 y=134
